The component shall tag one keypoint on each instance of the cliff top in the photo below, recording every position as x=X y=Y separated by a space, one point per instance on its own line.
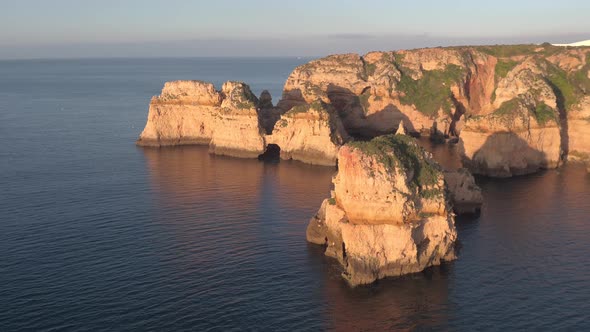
x=401 y=152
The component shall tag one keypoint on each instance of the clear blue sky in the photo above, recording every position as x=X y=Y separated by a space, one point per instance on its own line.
x=69 y=28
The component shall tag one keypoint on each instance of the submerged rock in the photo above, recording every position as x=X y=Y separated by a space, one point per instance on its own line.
x=388 y=214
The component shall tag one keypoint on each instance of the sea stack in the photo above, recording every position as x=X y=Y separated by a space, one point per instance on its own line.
x=389 y=213
x=194 y=112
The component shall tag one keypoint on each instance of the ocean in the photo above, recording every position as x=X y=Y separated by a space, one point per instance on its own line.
x=98 y=234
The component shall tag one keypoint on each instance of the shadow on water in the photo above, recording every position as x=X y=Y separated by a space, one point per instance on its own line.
x=240 y=225
x=272 y=154
x=416 y=301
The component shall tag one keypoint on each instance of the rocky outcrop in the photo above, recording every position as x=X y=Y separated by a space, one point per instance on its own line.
x=237 y=130
x=309 y=133
x=193 y=112
x=513 y=109
x=578 y=133
x=184 y=113
x=509 y=105
x=388 y=214
x=234 y=122
x=464 y=194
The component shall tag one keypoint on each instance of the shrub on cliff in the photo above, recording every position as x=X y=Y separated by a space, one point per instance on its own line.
x=402 y=152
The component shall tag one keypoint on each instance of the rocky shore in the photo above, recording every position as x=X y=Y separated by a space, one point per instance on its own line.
x=512 y=109
x=508 y=110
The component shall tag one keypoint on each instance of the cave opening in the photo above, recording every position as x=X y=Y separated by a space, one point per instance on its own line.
x=272 y=154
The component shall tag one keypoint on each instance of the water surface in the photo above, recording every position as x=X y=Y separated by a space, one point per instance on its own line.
x=97 y=234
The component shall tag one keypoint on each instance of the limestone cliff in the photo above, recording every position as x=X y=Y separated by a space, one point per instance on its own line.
x=184 y=113
x=578 y=132
x=513 y=109
x=510 y=105
x=388 y=214
x=234 y=122
x=464 y=194
x=237 y=131
x=309 y=133
x=193 y=112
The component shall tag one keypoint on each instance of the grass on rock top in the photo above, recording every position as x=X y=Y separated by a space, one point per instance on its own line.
x=432 y=91
x=401 y=152
x=317 y=105
x=506 y=51
x=503 y=67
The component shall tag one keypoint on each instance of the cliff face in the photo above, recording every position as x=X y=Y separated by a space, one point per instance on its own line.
x=184 y=113
x=309 y=133
x=509 y=105
x=464 y=194
x=234 y=122
x=514 y=109
x=237 y=131
x=578 y=133
x=193 y=112
x=388 y=214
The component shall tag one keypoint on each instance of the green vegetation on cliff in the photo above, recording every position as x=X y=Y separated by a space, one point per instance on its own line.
x=503 y=67
x=432 y=91
x=543 y=113
x=402 y=152
x=516 y=107
x=569 y=88
x=506 y=51
x=508 y=107
x=242 y=96
x=317 y=105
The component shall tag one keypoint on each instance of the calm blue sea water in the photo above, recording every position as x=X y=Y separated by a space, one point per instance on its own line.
x=97 y=234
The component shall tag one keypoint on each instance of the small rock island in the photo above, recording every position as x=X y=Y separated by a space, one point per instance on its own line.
x=506 y=110
x=389 y=212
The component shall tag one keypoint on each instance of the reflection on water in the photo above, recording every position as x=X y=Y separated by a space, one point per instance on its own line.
x=240 y=236
x=447 y=155
x=415 y=301
x=98 y=235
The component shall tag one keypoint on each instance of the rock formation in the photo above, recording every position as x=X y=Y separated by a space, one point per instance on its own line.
x=388 y=214
x=234 y=122
x=193 y=112
x=578 y=132
x=464 y=194
x=309 y=133
x=509 y=105
x=513 y=109
x=183 y=113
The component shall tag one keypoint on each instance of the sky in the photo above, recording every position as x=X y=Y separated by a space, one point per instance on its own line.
x=177 y=28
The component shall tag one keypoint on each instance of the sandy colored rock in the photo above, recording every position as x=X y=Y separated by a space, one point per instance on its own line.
x=237 y=132
x=519 y=95
x=515 y=109
x=578 y=133
x=401 y=130
x=184 y=113
x=193 y=112
x=464 y=194
x=309 y=133
x=388 y=214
